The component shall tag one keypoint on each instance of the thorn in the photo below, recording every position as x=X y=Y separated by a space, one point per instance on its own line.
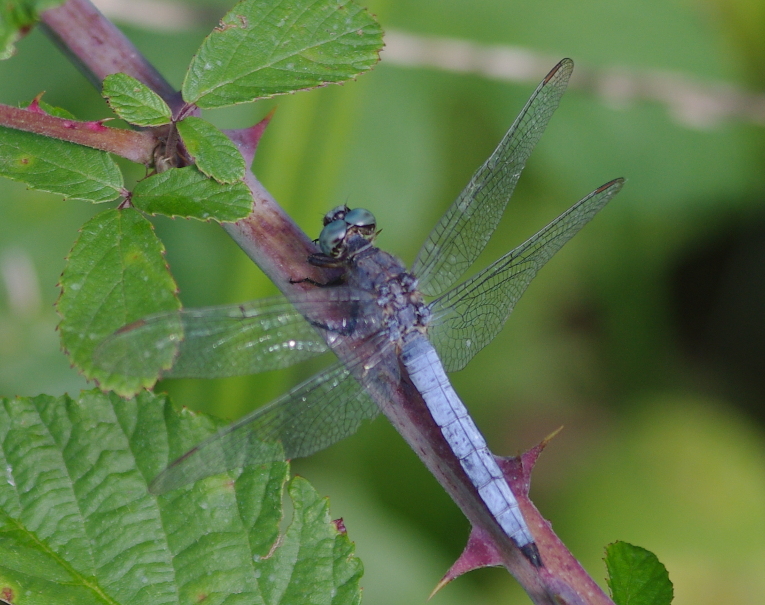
x=270 y=114
x=480 y=551
x=34 y=105
x=95 y=126
x=551 y=436
x=444 y=581
x=247 y=139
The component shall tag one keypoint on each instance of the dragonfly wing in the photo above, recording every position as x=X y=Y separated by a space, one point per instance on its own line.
x=323 y=410
x=465 y=228
x=468 y=317
x=233 y=340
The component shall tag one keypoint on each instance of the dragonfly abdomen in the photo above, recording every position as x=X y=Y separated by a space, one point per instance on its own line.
x=464 y=438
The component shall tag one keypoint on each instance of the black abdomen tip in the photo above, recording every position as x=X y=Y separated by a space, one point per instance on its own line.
x=531 y=552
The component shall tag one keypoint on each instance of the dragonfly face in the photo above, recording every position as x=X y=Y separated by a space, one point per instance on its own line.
x=340 y=225
x=375 y=320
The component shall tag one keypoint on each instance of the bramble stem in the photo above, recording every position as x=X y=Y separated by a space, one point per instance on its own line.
x=131 y=144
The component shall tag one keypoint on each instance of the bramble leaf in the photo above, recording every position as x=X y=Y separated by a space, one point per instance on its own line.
x=263 y=48
x=214 y=153
x=636 y=576
x=57 y=166
x=188 y=193
x=135 y=102
x=116 y=274
x=77 y=524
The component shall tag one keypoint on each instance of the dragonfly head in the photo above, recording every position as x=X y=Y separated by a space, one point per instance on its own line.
x=340 y=224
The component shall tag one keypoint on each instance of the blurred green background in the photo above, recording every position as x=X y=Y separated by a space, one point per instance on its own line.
x=645 y=336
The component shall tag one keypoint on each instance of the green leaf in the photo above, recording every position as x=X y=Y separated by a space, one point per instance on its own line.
x=189 y=193
x=636 y=576
x=308 y=557
x=58 y=166
x=264 y=47
x=214 y=153
x=51 y=110
x=135 y=102
x=77 y=524
x=116 y=274
x=16 y=18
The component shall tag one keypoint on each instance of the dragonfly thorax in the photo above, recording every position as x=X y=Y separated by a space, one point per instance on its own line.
x=347 y=241
x=403 y=307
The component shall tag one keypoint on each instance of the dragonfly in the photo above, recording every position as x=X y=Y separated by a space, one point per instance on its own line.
x=377 y=319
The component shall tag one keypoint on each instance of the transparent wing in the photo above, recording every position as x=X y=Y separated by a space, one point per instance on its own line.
x=233 y=340
x=468 y=317
x=463 y=232
x=323 y=410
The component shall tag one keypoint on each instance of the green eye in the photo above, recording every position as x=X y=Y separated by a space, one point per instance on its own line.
x=332 y=236
x=360 y=217
x=336 y=214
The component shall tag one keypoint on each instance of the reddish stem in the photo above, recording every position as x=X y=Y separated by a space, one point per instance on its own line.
x=133 y=145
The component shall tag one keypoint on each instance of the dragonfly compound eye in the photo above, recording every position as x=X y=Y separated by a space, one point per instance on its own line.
x=362 y=222
x=336 y=214
x=331 y=238
x=360 y=217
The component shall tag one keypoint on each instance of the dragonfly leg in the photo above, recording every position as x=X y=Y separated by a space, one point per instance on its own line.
x=313 y=282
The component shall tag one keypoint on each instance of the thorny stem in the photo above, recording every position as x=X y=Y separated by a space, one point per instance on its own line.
x=133 y=145
x=270 y=238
